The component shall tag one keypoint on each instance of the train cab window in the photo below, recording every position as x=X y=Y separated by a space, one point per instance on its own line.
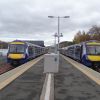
x=93 y=50
x=16 y=48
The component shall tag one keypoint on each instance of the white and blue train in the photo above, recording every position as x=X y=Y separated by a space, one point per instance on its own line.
x=87 y=53
x=20 y=52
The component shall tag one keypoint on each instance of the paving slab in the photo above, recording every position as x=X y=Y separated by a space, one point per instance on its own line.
x=26 y=87
x=71 y=84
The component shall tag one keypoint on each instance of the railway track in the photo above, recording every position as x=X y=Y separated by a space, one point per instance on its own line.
x=5 y=67
x=98 y=70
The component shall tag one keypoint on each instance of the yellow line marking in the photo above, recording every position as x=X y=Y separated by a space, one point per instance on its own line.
x=95 y=76
x=8 y=77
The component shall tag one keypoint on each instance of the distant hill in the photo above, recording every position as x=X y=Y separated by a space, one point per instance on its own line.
x=3 y=45
x=65 y=43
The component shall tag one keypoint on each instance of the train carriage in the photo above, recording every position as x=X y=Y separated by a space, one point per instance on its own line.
x=87 y=53
x=20 y=52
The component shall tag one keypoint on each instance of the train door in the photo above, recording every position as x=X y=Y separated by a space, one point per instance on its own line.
x=78 y=53
x=81 y=52
x=33 y=49
x=37 y=51
x=30 y=50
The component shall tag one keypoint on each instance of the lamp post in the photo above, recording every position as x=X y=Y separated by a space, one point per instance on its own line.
x=58 y=35
x=55 y=35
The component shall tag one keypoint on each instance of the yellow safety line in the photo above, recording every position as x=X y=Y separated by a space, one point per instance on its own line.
x=8 y=77
x=87 y=71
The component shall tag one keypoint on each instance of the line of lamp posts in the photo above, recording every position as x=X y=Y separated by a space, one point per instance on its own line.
x=58 y=35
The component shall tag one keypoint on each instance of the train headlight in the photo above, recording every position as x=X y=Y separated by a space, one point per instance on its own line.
x=86 y=57
x=22 y=56
x=8 y=56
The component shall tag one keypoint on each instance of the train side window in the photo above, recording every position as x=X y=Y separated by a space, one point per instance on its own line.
x=78 y=50
x=33 y=49
x=30 y=50
x=36 y=50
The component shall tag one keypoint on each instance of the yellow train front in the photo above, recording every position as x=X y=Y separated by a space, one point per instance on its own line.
x=20 y=52
x=93 y=54
x=88 y=53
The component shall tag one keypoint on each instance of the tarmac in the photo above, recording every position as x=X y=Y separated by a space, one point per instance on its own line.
x=28 y=86
x=71 y=84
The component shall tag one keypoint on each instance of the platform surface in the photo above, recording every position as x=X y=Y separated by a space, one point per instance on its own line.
x=26 y=87
x=71 y=84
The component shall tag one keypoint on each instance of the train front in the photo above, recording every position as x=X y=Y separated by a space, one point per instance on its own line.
x=16 y=53
x=93 y=54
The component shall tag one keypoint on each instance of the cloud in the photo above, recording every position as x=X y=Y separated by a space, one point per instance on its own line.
x=29 y=18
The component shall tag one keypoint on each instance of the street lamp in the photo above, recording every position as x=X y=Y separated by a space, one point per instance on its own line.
x=59 y=35
x=51 y=16
x=56 y=35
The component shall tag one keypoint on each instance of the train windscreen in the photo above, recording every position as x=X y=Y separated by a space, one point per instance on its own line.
x=93 y=50
x=16 y=48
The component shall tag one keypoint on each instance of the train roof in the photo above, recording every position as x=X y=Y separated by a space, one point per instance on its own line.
x=23 y=42
x=91 y=42
x=71 y=46
x=37 y=42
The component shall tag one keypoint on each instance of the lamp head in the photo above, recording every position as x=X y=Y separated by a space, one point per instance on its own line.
x=51 y=16
x=66 y=16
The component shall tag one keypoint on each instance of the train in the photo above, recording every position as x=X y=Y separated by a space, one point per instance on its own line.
x=88 y=53
x=20 y=52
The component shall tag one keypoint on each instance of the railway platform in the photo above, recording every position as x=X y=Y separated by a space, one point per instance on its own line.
x=70 y=83
x=28 y=86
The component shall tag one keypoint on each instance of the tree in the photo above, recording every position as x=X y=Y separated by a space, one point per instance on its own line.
x=81 y=37
x=94 y=30
x=65 y=43
x=77 y=37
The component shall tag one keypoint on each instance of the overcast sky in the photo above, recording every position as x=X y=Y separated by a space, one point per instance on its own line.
x=28 y=19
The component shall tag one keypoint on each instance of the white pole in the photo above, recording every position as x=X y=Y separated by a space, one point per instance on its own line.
x=58 y=32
